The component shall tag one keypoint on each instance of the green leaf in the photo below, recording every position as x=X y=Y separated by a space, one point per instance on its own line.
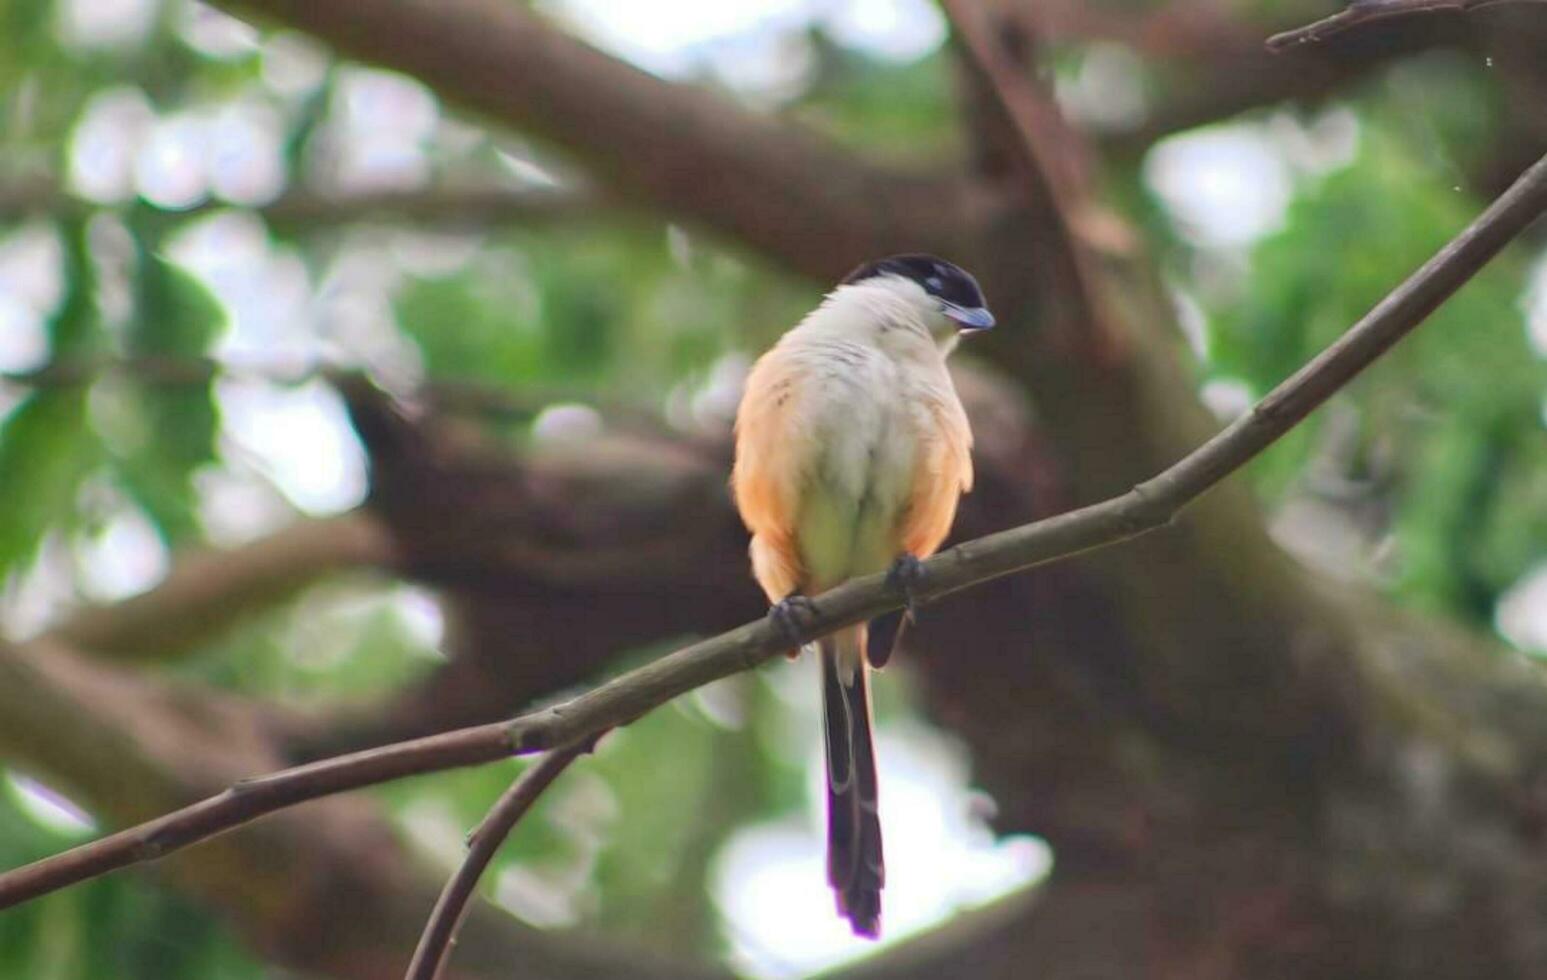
x=905 y=111
x=116 y=926
x=176 y=318
x=1449 y=419
x=46 y=450
x=46 y=446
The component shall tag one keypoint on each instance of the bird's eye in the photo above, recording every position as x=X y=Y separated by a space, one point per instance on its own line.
x=934 y=282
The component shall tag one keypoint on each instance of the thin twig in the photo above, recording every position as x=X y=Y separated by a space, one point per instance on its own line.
x=441 y=929
x=1147 y=506
x=1361 y=12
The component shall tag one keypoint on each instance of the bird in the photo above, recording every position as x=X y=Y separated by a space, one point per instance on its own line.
x=852 y=450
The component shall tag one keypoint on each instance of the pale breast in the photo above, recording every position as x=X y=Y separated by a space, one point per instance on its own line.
x=863 y=451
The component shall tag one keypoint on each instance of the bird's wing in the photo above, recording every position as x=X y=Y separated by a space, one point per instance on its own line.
x=942 y=473
x=769 y=472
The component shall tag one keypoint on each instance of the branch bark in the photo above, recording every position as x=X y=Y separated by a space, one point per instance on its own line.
x=1146 y=507
x=1235 y=78
x=435 y=944
x=327 y=890
x=1285 y=672
x=1361 y=12
x=781 y=189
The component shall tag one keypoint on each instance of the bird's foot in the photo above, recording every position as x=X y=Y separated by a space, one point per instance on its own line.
x=791 y=616
x=905 y=576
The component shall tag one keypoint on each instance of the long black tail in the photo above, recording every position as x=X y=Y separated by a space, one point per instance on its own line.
x=854 y=865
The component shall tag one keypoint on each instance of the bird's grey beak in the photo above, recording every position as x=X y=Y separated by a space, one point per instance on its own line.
x=971 y=318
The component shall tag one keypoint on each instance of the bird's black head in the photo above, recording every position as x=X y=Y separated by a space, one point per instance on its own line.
x=958 y=293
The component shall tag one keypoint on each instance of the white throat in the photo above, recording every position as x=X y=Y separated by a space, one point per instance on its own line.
x=886 y=308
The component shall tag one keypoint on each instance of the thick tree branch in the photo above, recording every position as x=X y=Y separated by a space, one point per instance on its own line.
x=1051 y=159
x=1147 y=506
x=482 y=844
x=1235 y=78
x=777 y=187
x=1206 y=59
x=999 y=43
x=207 y=590
x=1361 y=12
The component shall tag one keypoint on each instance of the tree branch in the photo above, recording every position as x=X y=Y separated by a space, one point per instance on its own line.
x=1051 y=159
x=1053 y=156
x=482 y=844
x=777 y=187
x=1234 y=79
x=1207 y=59
x=1361 y=12
x=1147 y=506
x=207 y=590
x=330 y=889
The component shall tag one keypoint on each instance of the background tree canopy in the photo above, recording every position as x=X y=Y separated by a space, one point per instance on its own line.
x=366 y=371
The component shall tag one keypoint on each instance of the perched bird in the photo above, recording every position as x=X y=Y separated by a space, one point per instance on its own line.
x=852 y=450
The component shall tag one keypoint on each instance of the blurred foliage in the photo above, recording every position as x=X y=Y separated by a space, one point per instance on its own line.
x=342 y=642
x=528 y=310
x=117 y=926
x=175 y=317
x=627 y=830
x=1447 y=449
x=46 y=446
x=901 y=112
x=1449 y=429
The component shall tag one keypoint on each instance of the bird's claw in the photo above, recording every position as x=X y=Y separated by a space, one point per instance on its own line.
x=906 y=575
x=791 y=615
